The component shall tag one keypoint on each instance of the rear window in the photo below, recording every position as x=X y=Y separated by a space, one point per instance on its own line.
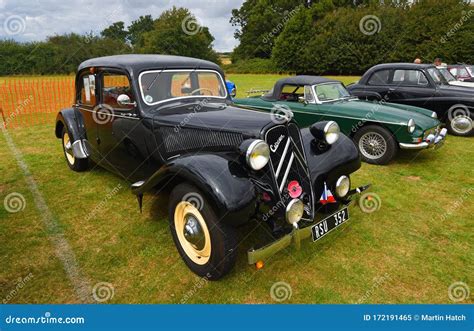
x=379 y=78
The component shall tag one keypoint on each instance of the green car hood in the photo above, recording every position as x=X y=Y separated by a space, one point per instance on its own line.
x=381 y=112
x=355 y=110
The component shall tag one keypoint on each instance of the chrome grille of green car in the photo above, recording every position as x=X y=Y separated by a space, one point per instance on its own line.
x=434 y=131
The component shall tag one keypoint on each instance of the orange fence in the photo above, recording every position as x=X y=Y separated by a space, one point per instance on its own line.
x=28 y=101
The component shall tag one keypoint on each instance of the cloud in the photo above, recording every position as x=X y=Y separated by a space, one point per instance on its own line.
x=34 y=20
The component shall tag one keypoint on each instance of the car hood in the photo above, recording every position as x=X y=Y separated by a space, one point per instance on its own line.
x=383 y=112
x=213 y=117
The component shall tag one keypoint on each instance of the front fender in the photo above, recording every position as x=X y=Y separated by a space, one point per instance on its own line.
x=342 y=158
x=222 y=180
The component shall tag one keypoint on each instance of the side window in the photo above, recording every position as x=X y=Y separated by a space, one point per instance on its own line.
x=291 y=93
x=87 y=96
x=113 y=86
x=409 y=78
x=379 y=78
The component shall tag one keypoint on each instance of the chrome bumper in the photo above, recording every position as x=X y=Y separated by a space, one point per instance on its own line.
x=295 y=237
x=432 y=140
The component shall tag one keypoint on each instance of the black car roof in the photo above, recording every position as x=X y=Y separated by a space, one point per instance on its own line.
x=408 y=66
x=274 y=94
x=136 y=63
x=403 y=66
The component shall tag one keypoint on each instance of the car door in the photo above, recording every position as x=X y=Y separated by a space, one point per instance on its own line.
x=411 y=87
x=376 y=88
x=86 y=102
x=119 y=127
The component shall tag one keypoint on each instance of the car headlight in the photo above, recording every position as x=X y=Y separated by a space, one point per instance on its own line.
x=331 y=132
x=258 y=154
x=434 y=115
x=411 y=125
x=294 y=211
x=343 y=185
x=233 y=92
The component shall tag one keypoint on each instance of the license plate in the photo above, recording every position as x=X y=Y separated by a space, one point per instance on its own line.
x=328 y=224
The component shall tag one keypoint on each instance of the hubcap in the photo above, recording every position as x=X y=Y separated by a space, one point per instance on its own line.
x=68 y=149
x=461 y=124
x=372 y=145
x=192 y=232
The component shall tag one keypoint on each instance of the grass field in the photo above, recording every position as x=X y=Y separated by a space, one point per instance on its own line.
x=410 y=251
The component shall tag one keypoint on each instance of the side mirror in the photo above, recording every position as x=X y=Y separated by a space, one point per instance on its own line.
x=302 y=100
x=124 y=100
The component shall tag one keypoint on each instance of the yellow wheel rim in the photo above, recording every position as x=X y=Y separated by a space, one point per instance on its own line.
x=68 y=149
x=184 y=212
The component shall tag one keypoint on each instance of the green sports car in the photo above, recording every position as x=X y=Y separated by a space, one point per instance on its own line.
x=378 y=129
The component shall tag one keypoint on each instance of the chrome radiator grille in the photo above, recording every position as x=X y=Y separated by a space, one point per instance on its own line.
x=288 y=163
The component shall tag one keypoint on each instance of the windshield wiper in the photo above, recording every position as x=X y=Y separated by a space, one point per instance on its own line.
x=154 y=80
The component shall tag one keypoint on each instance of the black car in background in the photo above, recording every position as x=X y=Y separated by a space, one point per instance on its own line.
x=168 y=123
x=420 y=85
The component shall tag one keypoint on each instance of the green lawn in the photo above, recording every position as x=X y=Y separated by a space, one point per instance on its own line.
x=410 y=251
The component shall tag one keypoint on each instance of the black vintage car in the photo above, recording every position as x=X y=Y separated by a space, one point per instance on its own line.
x=420 y=85
x=167 y=122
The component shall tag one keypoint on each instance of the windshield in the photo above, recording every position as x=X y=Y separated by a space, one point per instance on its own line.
x=436 y=76
x=471 y=70
x=162 y=85
x=446 y=74
x=331 y=92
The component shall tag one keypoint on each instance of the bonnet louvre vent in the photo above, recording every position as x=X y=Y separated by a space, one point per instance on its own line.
x=183 y=139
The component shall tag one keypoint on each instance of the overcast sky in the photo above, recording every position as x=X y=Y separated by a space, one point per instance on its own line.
x=28 y=20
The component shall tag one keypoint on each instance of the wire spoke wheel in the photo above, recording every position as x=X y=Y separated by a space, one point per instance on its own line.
x=373 y=145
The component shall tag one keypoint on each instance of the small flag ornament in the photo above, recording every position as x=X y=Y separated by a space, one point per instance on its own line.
x=327 y=196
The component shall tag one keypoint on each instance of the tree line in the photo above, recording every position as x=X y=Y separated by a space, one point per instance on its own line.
x=303 y=36
x=175 y=32
x=348 y=37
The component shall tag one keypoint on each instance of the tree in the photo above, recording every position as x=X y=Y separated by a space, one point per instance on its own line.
x=138 y=28
x=178 y=32
x=115 y=31
x=259 y=22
